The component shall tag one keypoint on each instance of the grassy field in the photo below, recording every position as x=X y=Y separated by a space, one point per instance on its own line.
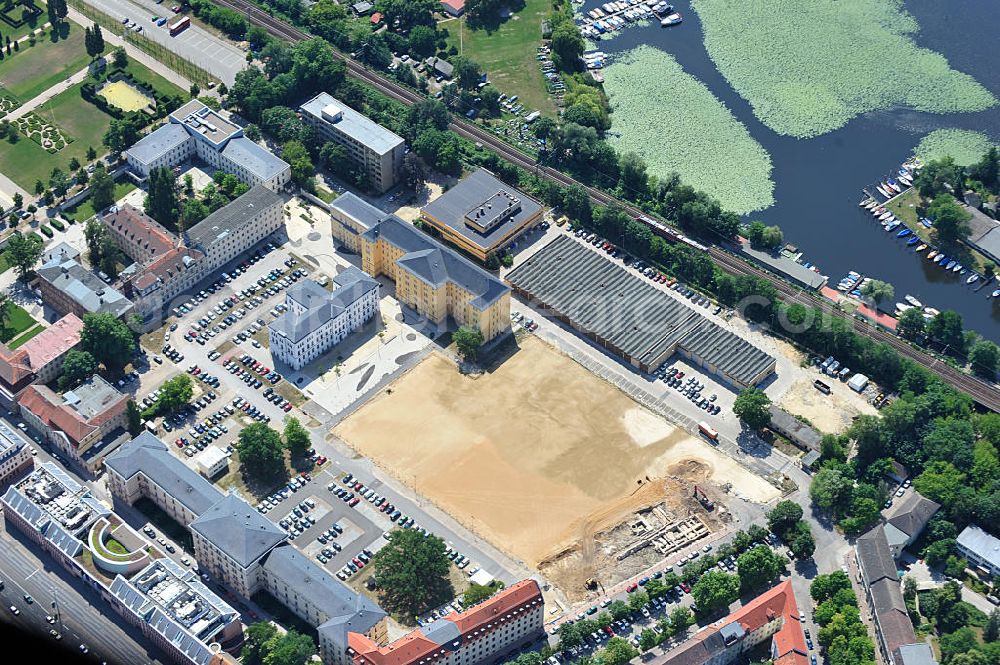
x=507 y=54
x=37 y=68
x=14 y=321
x=908 y=207
x=146 y=75
x=25 y=336
x=85 y=209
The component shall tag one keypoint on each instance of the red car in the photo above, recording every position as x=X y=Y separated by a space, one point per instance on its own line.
x=321 y=460
x=353 y=502
x=686 y=588
x=631 y=587
x=180 y=444
x=286 y=408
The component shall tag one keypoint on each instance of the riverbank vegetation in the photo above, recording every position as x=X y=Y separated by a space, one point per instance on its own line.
x=965 y=147
x=808 y=68
x=674 y=122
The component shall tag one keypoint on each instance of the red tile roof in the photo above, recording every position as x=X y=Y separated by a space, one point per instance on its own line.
x=19 y=365
x=376 y=18
x=139 y=227
x=55 y=414
x=456 y=5
x=415 y=645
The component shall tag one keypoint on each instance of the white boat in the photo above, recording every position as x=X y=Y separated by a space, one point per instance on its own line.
x=902 y=307
x=671 y=19
x=885 y=216
x=905 y=180
x=958 y=267
x=913 y=301
x=931 y=311
x=883 y=192
x=972 y=278
x=996 y=294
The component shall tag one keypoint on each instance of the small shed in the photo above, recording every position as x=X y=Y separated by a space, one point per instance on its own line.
x=362 y=8
x=212 y=461
x=858 y=382
x=481 y=577
x=809 y=460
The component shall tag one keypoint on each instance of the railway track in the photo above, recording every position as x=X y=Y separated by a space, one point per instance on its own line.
x=981 y=391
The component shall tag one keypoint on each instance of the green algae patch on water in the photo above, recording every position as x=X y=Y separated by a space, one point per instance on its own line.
x=807 y=68
x=964 y=146
x=675 y=123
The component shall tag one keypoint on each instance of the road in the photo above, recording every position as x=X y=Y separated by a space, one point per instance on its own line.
x=83 y=617
x=985 y=393
x=217 y=56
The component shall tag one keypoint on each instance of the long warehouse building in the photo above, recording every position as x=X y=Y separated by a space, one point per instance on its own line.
x=629 y=316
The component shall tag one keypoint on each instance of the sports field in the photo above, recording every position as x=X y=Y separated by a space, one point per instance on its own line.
x=508 y=53
x=528 y=454
x=125 y=96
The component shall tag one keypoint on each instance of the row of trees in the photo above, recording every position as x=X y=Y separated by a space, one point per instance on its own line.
x=262 y=451
x=785 y=519
x=266 y=645
x=841 y=633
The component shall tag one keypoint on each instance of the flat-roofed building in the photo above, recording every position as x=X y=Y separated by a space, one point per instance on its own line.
x=482 y=215
x=39 y=360
x=77 y=420
x=373 y=148
x=317 y=320
x=195 y=130
x=434 y=280
x=980 y=549
x=482 y=633
x=15 y=456
x=212 y=461
x=69 y=288
x=630 y=317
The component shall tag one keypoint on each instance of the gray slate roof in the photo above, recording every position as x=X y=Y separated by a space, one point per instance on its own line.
x=355 y=207
x=874 y=556
x=914 y=654
x=356 y=125
x=913 y=514
x=159 y=142
x=343 y=610
x=84 y=287
x=803 y=434
x=434 y=263
x=321 y=305
x=148 y=455
x=231 y=217
x=237 y=529
x=254 y=158
x=635 y=318
x=451 y=207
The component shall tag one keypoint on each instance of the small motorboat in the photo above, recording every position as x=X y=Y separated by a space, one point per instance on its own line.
x=866 y=202
x=972 y=278
x=958 y=268
x=996 y=294
x=930 y=311
x=902 y=307
x=951 y=264
x=671 y=20
x=931 y=254
x=883 y=192
x=941 y=259
x=912 y=241
x=885 y=215
x=913 y=301
x=921 y=248
x=904 y=232
x=893 y=225
x=905 y=179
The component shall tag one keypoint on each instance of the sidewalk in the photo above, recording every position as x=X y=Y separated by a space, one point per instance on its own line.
x=57 y=89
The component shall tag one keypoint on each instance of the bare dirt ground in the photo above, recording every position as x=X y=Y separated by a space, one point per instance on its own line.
x=831 y=413
x=535 y=454
x=433 y=189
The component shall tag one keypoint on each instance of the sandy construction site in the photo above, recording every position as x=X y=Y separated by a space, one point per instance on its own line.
x=536 y=456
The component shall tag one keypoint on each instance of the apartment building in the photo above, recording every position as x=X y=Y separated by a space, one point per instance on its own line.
x=79 y=420
x=434 y=280
x=195 y=130
x=980 y=549
x=907 y=520
x=317 y=320
x=69 y=288
x=483 y=633
x=350 y=217
x=482 y=215
x=773 y=616
x=39 y=360
x=370 y=146
x=15 y=456
x=167 y=265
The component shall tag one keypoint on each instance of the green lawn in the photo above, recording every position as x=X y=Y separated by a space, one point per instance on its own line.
x=37 y=68
x=24 y=337
x=508 y=53
x=36 y=21
x=14 y=321
x=85 y=210
x=146 y=75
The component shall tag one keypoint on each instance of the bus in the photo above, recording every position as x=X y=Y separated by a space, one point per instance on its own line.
x=179 y=25
x=708 y=432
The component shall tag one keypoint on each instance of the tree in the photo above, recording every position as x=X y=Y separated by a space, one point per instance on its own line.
x=567 y=47
x=802 y=544
x=715 y=590
x=831 y=489
x=192 y=212
x=93 y=41
x=878 y=291
x=751 y=406
x=619 y=610
x=911 y=324
x=773 y=237
x=825 y=587
x=467 y=73
x=618 y=652
x=260 y=450
x=937 y=552
x=422 y=41
x=134 y=418
x=77 y=366
x=681 y=618
x=91 y=153
x=414 y=171
x=961 y=641
x=638 y=600
x=59 y=182
x=119 y=58
x=984 y=356
x=937 y=177
x=107 y=339
x=102 y=188
x=783 y=516
x=161 y=204
x=758 y=566
x=122 y=133
x=477 y=593
x=298 y=158
x=23 y=252
x=991 y=632
x=576 y=205
x=174 y=393
x=411 y=572
x=468 y=340
x=296 y=437
x=292 y=648
x=950 y=220
x=257 y=637
x=647 y=639
x=939 y=482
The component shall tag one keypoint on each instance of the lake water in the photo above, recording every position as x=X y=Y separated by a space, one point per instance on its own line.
x=818 y=181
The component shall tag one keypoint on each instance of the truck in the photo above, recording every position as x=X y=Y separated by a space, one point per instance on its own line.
x=179 y=25
x=708 y=432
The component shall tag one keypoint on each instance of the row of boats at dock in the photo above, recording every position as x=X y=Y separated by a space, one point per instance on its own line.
x=853 y=285
x=612 y=16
